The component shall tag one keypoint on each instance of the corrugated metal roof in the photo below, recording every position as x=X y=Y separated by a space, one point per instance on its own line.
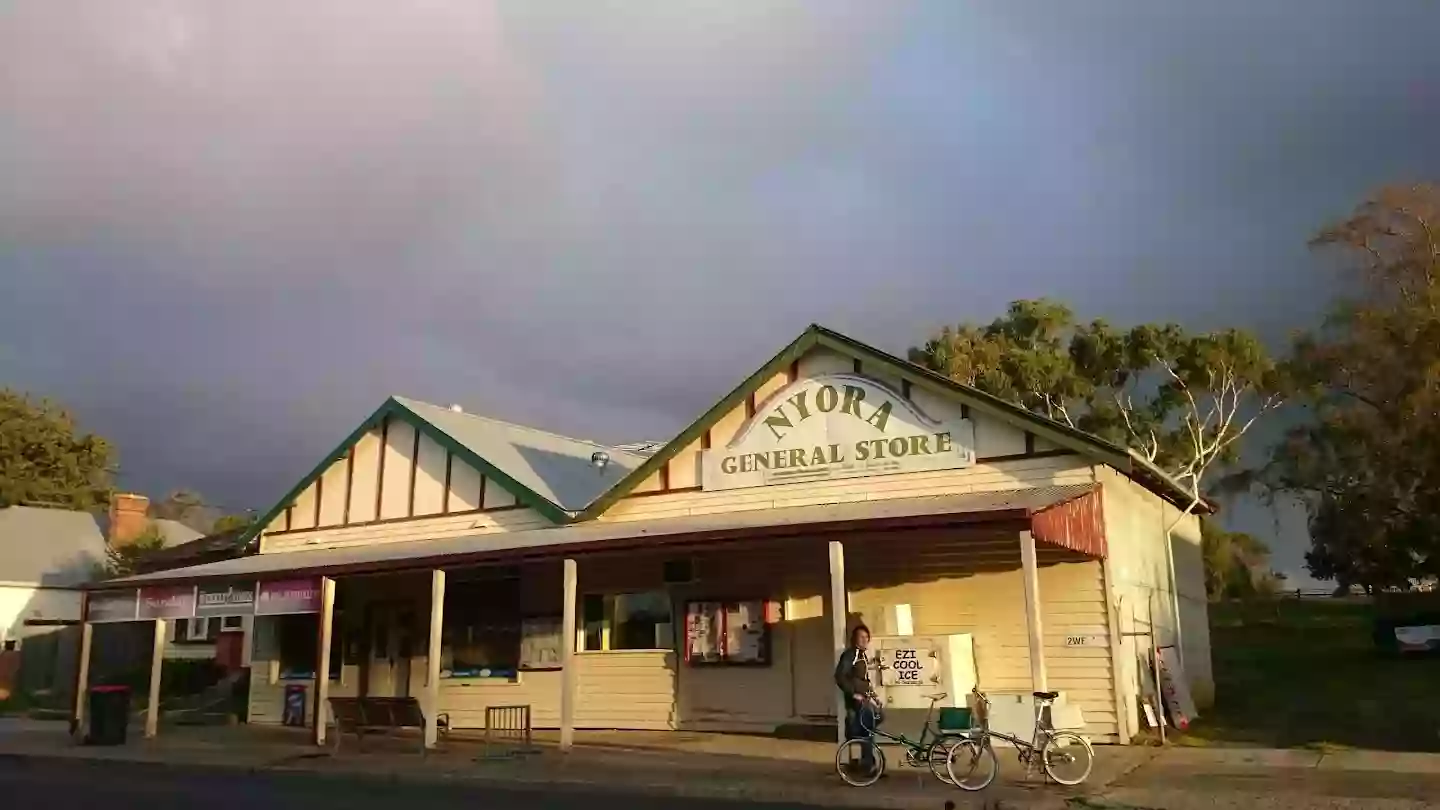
x=54 y=547
x=554 y=467
x=394 y=556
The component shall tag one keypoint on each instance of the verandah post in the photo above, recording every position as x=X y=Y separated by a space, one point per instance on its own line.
x=322 y=665
x=82 y=672
x=432 y=663
x=157 y=660
x=1030 y=575
x=839 y=617
x=567 y=658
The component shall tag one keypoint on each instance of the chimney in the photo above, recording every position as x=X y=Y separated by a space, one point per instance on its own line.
x=128 y=517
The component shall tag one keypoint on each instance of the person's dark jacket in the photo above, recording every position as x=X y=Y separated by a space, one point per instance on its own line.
x=852 y=676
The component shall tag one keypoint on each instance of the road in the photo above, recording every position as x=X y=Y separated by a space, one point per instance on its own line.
x=46 y=784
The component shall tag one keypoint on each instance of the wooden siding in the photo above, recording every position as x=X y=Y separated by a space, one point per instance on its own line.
x=963 y=583
x=614 y=690
x=1136 y=521
x=350 y=492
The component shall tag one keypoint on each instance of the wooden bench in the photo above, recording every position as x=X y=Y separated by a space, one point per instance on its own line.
x=360 y=715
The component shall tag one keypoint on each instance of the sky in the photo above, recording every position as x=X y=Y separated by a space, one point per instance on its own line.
x=229 y=230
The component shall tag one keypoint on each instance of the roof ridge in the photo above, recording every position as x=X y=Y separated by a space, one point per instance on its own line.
x=496 y=421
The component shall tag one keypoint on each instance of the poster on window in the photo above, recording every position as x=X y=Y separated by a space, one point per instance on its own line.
x=541 y=643
x=727 y=633
x=703 y=632
x=745 y=632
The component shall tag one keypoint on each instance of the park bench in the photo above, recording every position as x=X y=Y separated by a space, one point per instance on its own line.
x=358 y=715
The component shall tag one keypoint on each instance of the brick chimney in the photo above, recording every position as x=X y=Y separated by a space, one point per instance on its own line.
x=128 y=517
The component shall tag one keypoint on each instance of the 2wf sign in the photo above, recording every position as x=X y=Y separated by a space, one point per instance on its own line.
x=907 y=667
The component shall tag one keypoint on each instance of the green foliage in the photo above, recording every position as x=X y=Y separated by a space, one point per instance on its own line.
x=1367 y=463
x=227 y=523
x=44 y=458
x=124 y=560
x=1236 y=564
x=1179 y=400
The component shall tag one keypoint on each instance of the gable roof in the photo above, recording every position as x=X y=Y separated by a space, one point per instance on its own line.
x=48 y=546
x=816 y=336
x=555 y=476
x=550 y=473
x=553 y=467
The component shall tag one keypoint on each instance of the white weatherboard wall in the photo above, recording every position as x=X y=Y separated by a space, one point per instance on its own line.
x=21 y=602
x=1136 y=521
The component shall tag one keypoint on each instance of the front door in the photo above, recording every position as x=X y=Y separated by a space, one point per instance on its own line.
x=391 y=628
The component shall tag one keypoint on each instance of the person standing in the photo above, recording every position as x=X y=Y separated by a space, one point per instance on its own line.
x=852 y=676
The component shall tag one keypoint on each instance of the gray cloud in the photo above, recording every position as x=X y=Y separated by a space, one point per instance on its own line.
x=228 y=230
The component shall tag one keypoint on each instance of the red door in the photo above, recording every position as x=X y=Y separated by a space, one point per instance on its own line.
x=229 y=650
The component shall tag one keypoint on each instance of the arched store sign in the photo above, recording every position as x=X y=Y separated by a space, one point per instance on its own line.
x=837 y=426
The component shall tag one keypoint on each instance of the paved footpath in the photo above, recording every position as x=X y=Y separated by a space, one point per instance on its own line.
x=763 y=771
x=1262 y=779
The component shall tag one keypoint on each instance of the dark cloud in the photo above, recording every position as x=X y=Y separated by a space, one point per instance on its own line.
x=228 y=230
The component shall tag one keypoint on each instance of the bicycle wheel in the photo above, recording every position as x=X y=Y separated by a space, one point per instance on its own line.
x=971 y=764
x=849 y=759
x=1067 y=758
x=938 y=753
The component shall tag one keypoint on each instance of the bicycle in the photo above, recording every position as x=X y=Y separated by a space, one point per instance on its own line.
x=924 y=751
x=1052 y=748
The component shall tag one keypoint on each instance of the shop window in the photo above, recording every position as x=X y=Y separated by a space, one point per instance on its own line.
x=627 y=621
x=481 y=634
x=727 y=633
x=298 y=638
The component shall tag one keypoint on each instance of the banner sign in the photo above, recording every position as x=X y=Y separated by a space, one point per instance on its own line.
x=225 y=600
x=836 y=426
x=288 y=596
x=167 y=602
x=111 y=606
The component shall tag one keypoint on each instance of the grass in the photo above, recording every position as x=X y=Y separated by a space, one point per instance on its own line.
x=1306 y=673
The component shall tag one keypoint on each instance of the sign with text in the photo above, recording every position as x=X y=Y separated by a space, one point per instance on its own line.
x=167 y=602
x=225 y=600
x=111 y=606
x=837 y=426
x=909 y=666
x=288 y=596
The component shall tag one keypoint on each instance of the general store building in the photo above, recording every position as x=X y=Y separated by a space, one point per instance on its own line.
x=709 y=582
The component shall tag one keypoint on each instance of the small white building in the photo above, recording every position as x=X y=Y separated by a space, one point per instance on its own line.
x=708 y=583
x=46 y=557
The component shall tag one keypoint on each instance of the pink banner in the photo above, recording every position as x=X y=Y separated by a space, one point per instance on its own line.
x=167 y=602
x=288 y=596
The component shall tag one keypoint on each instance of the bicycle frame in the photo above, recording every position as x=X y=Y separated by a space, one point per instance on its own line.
x=915 y=746
x=1027 y=750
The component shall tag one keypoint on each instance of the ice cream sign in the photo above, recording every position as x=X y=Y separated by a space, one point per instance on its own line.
x=909 y=666
x=837 y=426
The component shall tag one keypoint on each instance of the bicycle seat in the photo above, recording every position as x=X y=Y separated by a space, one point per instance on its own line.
x=938 y=696
x=1046 y=695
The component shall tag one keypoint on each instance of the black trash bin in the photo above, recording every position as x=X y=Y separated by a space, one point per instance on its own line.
x=109 y=715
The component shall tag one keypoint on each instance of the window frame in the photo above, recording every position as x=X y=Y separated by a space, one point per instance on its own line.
x=607 y=621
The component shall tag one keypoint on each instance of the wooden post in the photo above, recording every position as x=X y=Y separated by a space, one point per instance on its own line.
x=432 y=663
x=1030 y=575
x=567 y=659
x=82 y=675
x=839 y=618
x=157 y=660
x=322 y=666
